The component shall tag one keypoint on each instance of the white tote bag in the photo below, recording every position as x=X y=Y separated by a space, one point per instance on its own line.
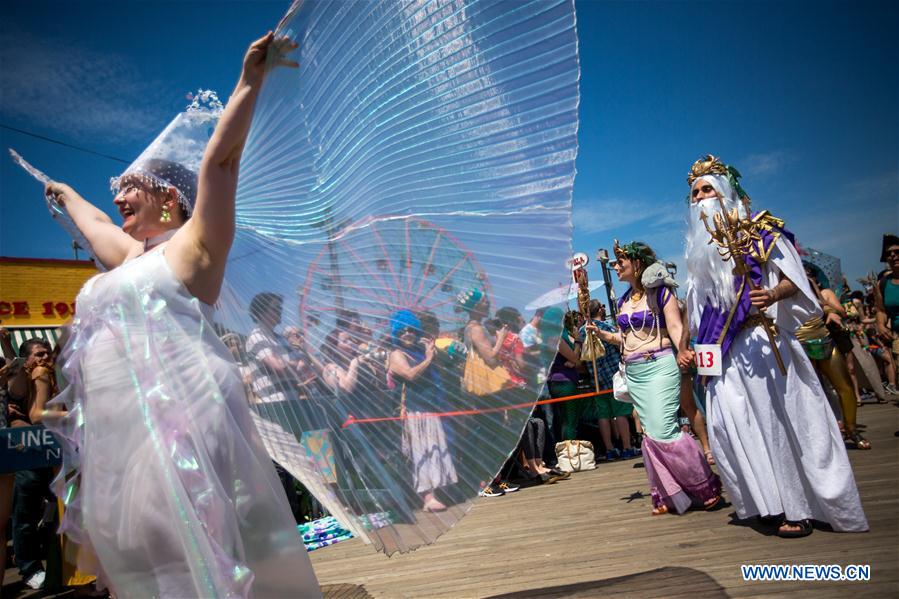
x=575 y=456
x=619 y=386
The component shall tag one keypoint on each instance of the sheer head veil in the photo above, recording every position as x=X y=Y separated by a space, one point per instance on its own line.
x=174 y=157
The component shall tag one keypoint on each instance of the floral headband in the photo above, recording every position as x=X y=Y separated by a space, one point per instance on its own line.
x=634 y=250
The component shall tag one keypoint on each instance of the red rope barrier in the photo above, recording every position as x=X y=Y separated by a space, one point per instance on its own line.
x=353 y=420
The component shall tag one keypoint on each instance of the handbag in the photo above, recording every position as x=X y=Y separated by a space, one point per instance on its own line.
x=619 y=386
x=575 y=456
x=480 y=379
x=593 y=349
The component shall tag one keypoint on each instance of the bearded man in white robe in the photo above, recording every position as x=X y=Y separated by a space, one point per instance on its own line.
x=778 y=448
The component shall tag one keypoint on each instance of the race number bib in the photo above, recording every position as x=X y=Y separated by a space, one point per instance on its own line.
x=708 y=359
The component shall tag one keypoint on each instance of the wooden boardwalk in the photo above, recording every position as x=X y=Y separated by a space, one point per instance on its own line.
x=593 y=536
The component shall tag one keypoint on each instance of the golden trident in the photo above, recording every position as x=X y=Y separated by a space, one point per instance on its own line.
x=734 y=237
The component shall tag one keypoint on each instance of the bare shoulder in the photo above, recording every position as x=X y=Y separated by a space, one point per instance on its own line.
x=133 y=252
x=193 y=266
x=398 y=356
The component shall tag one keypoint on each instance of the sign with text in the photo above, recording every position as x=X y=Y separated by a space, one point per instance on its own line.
x=579 y=260
x=38 y=292
x=27 y=448
x=708 y=359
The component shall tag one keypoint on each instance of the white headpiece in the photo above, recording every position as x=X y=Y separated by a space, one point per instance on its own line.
x=173 y=159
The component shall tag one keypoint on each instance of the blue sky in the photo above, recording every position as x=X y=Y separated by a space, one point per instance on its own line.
x=802 y=97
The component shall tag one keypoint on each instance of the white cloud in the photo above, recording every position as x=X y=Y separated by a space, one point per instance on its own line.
x=765 y=163
x=76 y=91
x=600 y=215
x=876 y=187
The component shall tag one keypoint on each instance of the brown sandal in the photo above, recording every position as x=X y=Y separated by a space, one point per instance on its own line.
x=854 y=440
x=804 y=526
x=660 y=511
x=712 y=503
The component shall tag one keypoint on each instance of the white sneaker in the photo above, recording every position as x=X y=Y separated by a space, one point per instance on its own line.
x=36 y=580
x=491 y=491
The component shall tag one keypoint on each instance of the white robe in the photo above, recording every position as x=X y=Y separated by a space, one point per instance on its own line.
x=775 y=440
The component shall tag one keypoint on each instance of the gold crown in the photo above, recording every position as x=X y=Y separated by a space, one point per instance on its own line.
x=709 y=165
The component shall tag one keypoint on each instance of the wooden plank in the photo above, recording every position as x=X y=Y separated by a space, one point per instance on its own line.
x=593 y=535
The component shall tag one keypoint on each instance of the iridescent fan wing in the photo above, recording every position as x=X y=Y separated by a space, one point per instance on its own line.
x=57 y=212
x=411 y=177
x=829 y=265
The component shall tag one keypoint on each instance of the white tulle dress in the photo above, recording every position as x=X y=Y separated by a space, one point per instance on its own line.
x=165 y=477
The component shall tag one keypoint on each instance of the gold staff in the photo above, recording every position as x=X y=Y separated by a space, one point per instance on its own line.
x=734 y=237
x=583 y=301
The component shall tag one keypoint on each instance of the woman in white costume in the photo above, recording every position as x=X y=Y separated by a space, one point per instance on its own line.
x=778 y=448
x=165 y=477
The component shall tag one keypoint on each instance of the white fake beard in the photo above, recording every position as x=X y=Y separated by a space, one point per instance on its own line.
x=708 y=276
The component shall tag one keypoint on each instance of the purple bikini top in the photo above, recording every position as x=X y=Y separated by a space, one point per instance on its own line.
x=645 y=318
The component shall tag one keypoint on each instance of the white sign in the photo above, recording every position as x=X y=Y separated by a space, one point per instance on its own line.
x=708 y=359
x=579 y=260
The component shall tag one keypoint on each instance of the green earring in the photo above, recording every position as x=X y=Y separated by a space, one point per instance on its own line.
x=166 y=216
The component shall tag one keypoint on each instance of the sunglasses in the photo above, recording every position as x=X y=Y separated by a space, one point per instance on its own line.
x=703 y=189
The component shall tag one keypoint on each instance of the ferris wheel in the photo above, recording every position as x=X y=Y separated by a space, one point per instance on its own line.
x=378 y=266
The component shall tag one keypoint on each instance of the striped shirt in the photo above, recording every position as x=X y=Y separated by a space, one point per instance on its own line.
x=267 y=385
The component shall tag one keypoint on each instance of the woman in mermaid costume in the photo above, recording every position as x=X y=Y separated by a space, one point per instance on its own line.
x=650 y=326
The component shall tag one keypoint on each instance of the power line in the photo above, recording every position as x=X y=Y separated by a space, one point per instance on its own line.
x=62 y=143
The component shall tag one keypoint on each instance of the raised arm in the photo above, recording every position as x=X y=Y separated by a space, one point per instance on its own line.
x=481 y=342
x=9 y=352
x=342 y=380
x=42 y=394
x=569 y=353
x=109 y=242
x=399 y=363
x=197 y=253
